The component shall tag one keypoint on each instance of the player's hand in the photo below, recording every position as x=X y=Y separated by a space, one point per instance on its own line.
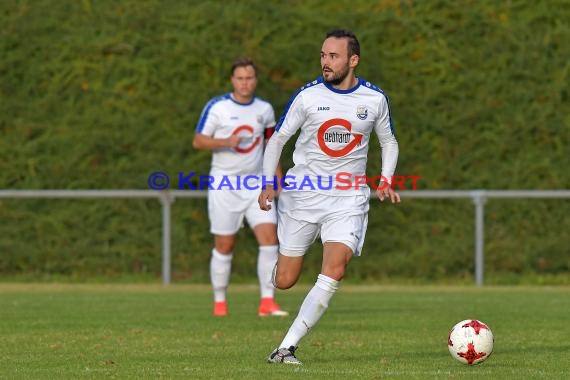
x=266 y=198
x=233 y=141
x=384 y=191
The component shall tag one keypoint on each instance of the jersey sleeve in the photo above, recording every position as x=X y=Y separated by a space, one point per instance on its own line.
x=388 y=143
x=269 y=117
x=268 y=122
x=209 y=119
x=292 y=119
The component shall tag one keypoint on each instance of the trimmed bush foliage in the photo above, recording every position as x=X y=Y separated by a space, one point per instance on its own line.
x=100 y=94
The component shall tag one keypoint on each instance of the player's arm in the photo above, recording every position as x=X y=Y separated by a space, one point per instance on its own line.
x=292 y=119
x=390 y=151
x=279 y=171
x=271 y=159
x=208 y=123
x=202 y=141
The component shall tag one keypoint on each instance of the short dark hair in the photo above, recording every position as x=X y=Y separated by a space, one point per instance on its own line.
x=243 y=62
x=353 y=44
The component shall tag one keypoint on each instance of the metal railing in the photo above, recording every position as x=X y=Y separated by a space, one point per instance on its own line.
x=168 y=197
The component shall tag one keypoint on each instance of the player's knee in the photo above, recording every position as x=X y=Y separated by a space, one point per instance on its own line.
x=224 y=248
x=336 y=273
x=266 y=234
x=284 y=281
x=284 y=285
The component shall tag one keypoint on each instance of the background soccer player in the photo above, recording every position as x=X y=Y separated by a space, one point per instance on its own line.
x=235 y=127
x=336 y=114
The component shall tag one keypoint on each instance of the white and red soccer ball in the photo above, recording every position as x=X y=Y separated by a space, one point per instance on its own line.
x=470 y=341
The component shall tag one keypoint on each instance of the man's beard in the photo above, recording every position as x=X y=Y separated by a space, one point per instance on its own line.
x=338 y=77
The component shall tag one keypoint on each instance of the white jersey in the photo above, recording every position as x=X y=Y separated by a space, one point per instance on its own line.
x=335 y=131
x=223 y=117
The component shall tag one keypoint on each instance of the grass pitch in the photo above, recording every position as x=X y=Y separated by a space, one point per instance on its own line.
x=371 y=332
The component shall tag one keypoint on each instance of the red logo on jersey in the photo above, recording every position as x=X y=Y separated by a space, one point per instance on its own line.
x=350 y=144
x=248 y=135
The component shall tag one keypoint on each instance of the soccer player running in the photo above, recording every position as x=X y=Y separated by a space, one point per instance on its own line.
x=235 y=127
x=336 y=114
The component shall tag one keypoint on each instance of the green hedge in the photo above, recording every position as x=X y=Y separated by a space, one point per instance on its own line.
x=99 y=94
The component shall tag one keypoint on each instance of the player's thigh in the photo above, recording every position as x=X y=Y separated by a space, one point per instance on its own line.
x=226 y=211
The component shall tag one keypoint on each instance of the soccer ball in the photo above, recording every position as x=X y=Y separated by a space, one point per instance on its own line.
x=470 y=341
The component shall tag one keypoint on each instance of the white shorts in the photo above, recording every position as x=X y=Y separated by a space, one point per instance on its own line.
x=227 y=208
x=303 y=215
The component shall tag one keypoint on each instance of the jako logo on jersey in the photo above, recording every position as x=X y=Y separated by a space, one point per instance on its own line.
x=246 y=137
x=323 y=109
x=323 y=137
x=362 y=112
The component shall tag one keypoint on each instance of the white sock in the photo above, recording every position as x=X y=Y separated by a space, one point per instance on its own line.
x=220 y=268
x=312 y=309
x=265 y=263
